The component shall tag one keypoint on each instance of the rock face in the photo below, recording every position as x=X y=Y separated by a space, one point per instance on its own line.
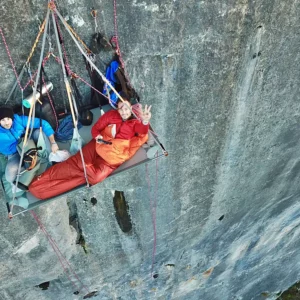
x=223 y=79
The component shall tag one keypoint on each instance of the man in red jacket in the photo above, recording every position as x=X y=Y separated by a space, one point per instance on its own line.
x=67 y=175
x=126 y=126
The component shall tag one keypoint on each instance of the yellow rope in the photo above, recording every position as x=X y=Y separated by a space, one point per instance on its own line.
x=36 y=41
x=78 y=38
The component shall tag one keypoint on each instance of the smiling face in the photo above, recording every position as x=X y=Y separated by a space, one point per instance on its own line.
x=6 y=123
x=124 y=110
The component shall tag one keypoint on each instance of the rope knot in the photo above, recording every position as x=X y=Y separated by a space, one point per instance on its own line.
x=94 y=13
x=74 y=75
x=52 y=5
x=114 y=40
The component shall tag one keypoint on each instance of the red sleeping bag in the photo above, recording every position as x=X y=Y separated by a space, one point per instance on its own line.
x=69 y=174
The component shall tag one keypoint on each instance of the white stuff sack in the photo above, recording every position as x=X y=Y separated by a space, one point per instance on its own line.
x=59 y=155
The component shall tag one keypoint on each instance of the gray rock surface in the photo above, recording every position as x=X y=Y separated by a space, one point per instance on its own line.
x=223 y=79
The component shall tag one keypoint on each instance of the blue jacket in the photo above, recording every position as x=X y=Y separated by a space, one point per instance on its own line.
x=9 y=137
x=110 y=75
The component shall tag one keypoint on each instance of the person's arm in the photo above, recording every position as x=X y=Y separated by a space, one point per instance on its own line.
x=54 y=146
x=102 y=122
x=47 y=129
x=35 y=123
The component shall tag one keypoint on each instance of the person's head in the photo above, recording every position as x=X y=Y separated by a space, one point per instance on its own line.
x=6 y=117
x=124 y=108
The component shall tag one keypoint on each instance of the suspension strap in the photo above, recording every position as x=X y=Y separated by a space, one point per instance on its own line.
x=63 y=261
x=51 y=102
x=71 y=99
x=79 y=39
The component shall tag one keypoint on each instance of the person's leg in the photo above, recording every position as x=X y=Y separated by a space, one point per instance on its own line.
x=35 y=137
x=12 y=166
x=11 y=169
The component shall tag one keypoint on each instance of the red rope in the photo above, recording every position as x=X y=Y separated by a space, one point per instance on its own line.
x=153 y=212
x=115 y=39
x=60 y=256
x=30 y=80
x=13 y=66
x=84 y=81
x=10 y=58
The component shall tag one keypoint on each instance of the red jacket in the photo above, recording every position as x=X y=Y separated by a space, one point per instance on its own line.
x=124 y=129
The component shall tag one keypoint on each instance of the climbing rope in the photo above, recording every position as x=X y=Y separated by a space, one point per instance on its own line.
x=30 y=81
x=42 y=27
x=79 y=39
x=89 y=85
x=63 y=261
x=153 y=203
x=10 y=58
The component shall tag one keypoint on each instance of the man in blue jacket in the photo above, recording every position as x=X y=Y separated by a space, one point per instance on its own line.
x=12 y=128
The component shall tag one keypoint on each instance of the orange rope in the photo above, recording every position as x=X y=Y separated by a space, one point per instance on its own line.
x=78 y=38
x=36 y=41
